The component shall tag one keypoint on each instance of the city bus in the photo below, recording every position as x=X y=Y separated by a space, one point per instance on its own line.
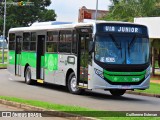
x=111 y=56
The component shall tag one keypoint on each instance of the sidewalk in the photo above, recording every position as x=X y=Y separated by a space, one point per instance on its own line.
x=9 y=108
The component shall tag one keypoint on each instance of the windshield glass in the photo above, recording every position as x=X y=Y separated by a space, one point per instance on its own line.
x=120 y=49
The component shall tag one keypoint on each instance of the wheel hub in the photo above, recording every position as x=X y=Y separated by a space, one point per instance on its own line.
x=74 y=84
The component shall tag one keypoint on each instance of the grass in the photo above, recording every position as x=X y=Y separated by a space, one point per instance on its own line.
x=154 y=89
x=5 y=60
x=156 y=64
x=103 y=115
x=3 y=65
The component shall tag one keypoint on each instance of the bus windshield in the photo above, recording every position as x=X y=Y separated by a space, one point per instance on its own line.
x=121 y=49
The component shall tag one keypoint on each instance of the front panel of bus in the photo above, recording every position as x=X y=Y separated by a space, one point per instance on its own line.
x=121 y=57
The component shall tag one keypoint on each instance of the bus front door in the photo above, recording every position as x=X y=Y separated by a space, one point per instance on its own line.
x=40 y=58
x=83 y=59
x=18 y=55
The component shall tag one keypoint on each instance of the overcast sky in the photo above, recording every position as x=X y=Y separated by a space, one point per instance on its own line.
x=67 y=10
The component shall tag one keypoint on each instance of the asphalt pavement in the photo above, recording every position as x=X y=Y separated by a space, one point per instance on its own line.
x=99 y=100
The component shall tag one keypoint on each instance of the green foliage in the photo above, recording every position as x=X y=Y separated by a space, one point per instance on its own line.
x=22 y=16
x=3 y=65
x=47 y=15
x=127 y=10
x=5 y=60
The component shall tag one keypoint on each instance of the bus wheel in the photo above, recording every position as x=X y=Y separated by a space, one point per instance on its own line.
x=28 y=79
x=117 y=92
x=72 y=84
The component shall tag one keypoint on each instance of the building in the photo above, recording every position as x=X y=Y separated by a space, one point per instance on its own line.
x=153 y=24
x=85 y=13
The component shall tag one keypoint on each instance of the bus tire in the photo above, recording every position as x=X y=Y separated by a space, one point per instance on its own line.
x=72 y=84
x=117 y=92
x=28 y=79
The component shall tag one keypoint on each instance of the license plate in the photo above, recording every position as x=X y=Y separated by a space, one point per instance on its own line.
x=125 y=87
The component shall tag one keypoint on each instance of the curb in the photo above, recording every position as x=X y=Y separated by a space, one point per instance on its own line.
x=3 y=68
x=143 y=94
x=50 y=113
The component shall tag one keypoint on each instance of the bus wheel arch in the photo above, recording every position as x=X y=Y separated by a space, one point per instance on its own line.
x=71 y=82
x=25 y=68
x=67 y=75
x=28 y=77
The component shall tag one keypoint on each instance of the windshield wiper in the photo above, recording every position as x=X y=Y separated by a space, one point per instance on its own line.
x=116 y=43
x=131 y=44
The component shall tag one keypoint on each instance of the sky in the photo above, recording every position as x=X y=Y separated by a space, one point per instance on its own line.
x=67 y=10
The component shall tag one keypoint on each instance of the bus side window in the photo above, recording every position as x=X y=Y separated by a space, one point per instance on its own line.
x=33 y=42
x=65 y=41
x=11 y=41
x=26 y=41
x=52 y=40
x=74 y=43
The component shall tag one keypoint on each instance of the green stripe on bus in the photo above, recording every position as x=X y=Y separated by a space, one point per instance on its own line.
x=18 y=59
x=28 y=57
x=51 y=62
x=12 y=57
x=124 y=76
x=42 y=61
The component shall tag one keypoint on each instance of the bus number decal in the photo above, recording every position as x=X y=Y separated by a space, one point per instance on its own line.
x=108 y=59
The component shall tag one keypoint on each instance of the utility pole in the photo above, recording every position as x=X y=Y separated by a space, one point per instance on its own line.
x=96 y=10
x=4 y=29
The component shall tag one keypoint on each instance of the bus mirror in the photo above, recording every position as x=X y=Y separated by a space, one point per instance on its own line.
x=90 y=46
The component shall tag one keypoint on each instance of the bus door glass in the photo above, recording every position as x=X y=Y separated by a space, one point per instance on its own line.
x=84 y=38
x=40 y=57
x=18 y=55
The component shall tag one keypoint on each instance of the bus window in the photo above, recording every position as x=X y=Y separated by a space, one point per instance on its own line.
x=74 y=43
x=65 y=42
x=52 y=40
x=11 y=41
x=33 y=42
x=26 y=41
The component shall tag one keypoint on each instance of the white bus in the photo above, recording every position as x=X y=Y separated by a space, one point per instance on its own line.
x=111 y=56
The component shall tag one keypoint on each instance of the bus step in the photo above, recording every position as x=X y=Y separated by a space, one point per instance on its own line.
x=18 y=75
x=82 y=85
x=40 y=81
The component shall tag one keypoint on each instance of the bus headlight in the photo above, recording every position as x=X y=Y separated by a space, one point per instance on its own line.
x=99 y=73
x=147 y=72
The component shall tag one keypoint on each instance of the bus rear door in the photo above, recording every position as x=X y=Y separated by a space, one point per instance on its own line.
x=40 y=58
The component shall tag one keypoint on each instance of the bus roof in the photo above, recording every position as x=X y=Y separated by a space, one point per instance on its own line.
x=61 y=25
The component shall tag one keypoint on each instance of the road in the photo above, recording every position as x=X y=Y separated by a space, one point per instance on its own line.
x=99 y=100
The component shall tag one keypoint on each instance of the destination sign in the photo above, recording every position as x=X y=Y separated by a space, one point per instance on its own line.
x=122 y=29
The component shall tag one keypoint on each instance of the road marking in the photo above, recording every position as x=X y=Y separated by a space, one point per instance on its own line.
x=10 y=79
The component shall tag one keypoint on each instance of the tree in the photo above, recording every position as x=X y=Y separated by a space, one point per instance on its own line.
x=127 y=10
x=22 y=16
x=47 y=15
